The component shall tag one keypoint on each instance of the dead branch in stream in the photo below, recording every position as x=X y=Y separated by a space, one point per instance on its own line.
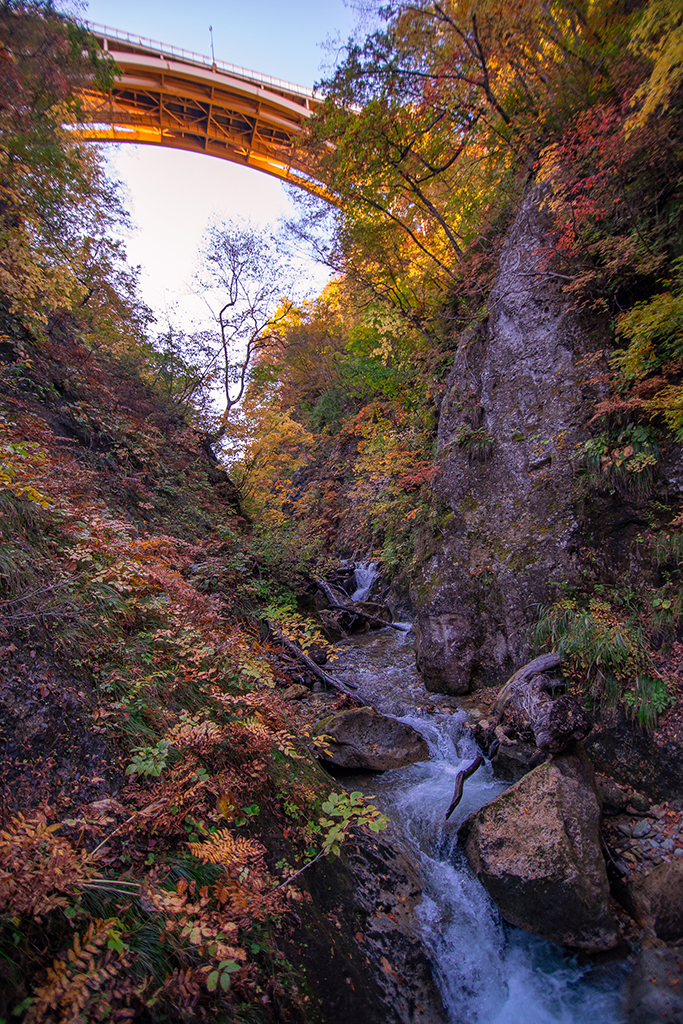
x=315 y=669
x=460 y=783
x=336 y=603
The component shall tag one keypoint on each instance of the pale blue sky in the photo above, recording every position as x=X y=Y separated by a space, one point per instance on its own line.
x=279 y=37
x=172 y=196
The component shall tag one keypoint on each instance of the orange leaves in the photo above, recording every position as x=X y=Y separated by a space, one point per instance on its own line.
x=421 y=473
x=195 y=734
x=39 y=871
x=91 y=984
x=225 y=848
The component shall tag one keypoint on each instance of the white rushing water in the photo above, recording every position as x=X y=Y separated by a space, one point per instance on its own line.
x=488 y=972
x=365 y=574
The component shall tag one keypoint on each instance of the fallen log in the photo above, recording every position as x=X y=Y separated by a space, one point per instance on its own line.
x=526 y=707
x=460 y=780
x=336 y=603
x=311 y=665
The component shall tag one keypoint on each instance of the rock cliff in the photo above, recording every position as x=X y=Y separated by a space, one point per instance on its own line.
x=516 y=403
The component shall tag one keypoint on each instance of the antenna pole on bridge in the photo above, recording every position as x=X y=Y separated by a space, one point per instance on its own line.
x=213 y=55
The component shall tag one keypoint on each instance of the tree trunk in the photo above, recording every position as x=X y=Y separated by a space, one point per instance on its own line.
x=311 y=665
x=353 y=609
x=526 y=704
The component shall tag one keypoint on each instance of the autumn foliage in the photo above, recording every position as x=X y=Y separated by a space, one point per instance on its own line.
x=159 y=810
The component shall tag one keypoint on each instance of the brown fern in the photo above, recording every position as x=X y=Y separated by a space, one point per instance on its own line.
x=91 y=984
x=39 y=870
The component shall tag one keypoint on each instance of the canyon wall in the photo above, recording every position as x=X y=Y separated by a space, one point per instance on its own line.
x=516 y=404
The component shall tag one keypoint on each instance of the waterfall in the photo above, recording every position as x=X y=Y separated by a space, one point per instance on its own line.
x=488 y=972
x=365 y=574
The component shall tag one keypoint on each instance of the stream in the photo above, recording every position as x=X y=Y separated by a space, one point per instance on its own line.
x=488 y=972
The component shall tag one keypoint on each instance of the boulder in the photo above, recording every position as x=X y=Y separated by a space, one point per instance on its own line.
x=655 y=901
x=362 y=738
x=613 y=796
x=512 y=763
x=655 y=988
x=297 y=691
x=536 y=848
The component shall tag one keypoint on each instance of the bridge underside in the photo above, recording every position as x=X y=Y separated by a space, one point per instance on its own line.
x=172 y=100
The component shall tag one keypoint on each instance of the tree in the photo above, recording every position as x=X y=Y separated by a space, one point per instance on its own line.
x=183 y=369
x=431 y=128
x=54 y=199
x=659 y=37
x=245 y=277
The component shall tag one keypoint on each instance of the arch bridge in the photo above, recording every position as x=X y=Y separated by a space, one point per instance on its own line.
x=166 y=96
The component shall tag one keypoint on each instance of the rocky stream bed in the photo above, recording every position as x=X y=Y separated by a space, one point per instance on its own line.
x=623 y=967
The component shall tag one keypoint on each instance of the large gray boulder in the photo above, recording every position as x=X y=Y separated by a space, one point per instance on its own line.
x=656 y=900
x=362 y=738
x=536 y=848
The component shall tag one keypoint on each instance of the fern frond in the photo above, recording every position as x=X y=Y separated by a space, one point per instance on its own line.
x=225 y=848
x=195 y=734
x=256 y=726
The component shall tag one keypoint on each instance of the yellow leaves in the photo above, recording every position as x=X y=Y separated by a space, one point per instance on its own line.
x=227 y=806
x=226 y=849
x=659 y=37
x=256 y=727
x=284 y=741
x=256 y=669
x=22 y=465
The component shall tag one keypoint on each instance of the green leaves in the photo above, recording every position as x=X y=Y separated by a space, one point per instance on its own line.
x=221 y=976
x=345 y=812
x=607 y=655
x=150 y=760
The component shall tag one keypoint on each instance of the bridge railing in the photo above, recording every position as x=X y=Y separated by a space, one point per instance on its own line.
x=189 y=56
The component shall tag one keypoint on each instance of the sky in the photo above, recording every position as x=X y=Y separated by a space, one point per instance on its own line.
x=172 y=196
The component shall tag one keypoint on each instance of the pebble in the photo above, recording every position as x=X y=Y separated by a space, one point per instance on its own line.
x=668 y=844
x=641 y=829
x=678 y=852
x=624 y=829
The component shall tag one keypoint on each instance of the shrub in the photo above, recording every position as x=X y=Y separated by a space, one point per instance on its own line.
x=625 y=463
x=606 y=656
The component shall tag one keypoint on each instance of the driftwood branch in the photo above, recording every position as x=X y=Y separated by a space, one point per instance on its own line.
x=311 y=665
x=336 y=603
x=526 y=705
x=460 y=779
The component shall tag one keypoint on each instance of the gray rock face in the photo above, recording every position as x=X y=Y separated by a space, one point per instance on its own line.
x=654 y=989
x=515 y=406
x=536 y=848
x=362 y=738
x=656 y=901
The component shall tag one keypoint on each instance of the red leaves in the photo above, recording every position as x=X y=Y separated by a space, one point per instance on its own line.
x=421 y=473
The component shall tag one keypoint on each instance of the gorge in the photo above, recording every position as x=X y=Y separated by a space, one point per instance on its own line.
x=272 y=588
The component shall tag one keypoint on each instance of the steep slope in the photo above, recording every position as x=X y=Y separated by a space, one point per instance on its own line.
x=156 y=792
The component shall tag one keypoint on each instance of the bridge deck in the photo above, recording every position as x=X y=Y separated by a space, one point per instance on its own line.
x=167 y=96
